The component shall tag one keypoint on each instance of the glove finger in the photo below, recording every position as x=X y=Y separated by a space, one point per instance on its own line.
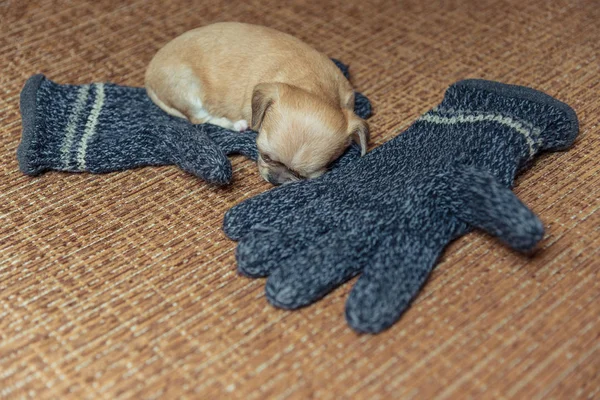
x=315 y=271
x=269 y=207
x=232 y=142
x=362 y=106
x=343 y=67
x=387 y=286
x=479 y=199
x=197 y=154
x=262 y=251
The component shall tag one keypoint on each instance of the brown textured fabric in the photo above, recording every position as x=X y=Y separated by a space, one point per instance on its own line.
x=124 y=286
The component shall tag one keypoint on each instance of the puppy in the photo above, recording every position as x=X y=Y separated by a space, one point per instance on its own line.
x=239 y=75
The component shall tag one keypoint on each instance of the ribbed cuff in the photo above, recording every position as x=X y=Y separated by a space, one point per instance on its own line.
x=27 y=155
x=51 y=116
x=555 y=123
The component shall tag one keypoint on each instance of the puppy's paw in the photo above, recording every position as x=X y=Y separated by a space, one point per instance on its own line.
x=241 y=125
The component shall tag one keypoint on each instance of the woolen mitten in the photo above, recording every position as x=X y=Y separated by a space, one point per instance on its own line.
x=390 y=214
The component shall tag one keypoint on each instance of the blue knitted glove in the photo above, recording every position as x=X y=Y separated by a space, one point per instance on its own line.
x=104 y=127
x=390 y=214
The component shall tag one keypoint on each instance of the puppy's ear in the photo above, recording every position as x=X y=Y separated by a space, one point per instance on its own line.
x=358 y=129
x=263 y=97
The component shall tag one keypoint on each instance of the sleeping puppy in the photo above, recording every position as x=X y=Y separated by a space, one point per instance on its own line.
x=239 y=75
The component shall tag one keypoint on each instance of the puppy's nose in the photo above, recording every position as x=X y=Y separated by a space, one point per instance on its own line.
x=274 y=179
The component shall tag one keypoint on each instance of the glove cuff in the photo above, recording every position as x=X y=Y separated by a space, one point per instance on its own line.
x=100 y=127
x=35 y=145
x=56 y=119
x=547 y=123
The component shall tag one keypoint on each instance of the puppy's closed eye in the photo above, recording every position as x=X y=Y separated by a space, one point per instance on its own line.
x=281 y=169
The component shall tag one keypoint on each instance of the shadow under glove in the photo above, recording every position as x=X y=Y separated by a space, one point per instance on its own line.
x=390 y=214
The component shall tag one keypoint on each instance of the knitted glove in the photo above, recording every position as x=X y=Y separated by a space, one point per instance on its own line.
x=390 y=214
x=104 y=127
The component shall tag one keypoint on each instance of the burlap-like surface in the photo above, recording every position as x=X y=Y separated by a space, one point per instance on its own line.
x=124 y=286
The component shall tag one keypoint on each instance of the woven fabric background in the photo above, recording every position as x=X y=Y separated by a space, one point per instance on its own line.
x=124 y=286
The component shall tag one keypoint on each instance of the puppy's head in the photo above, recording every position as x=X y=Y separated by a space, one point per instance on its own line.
x=300 y=134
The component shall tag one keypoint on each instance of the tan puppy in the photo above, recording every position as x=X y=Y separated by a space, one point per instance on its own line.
x=239 y=75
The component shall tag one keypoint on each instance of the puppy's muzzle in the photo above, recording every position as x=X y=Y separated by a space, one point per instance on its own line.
x=276 y=179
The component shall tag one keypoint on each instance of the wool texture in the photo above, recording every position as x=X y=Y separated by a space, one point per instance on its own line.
x=103 y=127
x=388 y=216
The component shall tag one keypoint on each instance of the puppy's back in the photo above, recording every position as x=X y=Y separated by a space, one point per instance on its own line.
x=230 y=58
